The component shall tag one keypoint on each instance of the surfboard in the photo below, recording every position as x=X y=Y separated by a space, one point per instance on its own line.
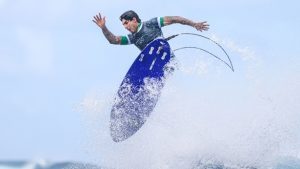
x=139 y=90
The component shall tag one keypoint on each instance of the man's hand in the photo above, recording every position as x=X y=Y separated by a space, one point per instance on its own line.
x=201 y=26
x=99 y=21
x=109 y=36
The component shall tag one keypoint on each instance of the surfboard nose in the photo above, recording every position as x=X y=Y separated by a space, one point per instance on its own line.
x=124 y=126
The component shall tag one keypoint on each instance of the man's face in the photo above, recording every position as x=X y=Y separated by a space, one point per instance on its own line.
x=131 y=26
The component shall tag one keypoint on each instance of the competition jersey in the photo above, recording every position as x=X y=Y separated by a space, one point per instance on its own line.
x=147 y=32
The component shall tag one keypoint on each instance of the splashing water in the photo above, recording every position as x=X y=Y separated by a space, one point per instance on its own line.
x=211 y=119
x=132 y=107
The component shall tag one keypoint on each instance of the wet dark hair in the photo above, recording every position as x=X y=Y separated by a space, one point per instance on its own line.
x=129 y=15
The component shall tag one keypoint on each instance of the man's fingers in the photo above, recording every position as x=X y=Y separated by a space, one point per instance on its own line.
x=98 y=17
x=204 y=26
x=95 y=18
x=201 y=26
x=204 y=23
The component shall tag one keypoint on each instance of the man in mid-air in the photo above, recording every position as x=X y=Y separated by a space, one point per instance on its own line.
x=135 y=103
x=143 y=33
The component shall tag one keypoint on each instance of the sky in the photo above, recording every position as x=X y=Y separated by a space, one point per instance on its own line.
x=53 y=57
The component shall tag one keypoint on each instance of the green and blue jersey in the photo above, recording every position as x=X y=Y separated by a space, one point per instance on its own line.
x=147 y=32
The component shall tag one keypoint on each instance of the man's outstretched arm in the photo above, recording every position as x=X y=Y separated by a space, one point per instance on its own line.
x=109 y=36
x=200 y=26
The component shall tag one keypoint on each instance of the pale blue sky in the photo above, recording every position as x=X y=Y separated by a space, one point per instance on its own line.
x=52 y=56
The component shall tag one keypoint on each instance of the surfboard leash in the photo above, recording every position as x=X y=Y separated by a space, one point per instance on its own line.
x=230 y=65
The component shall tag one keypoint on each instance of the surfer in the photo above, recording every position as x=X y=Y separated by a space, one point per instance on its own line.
x=142 y=33
x=141 y=87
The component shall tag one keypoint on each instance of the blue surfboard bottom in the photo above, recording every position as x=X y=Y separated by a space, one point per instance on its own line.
x=140 y=90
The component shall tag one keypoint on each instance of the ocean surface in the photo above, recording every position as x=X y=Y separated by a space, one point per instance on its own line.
x=284 y=164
